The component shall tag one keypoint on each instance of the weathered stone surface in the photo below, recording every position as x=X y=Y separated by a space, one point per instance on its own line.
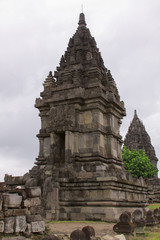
x=36 y=210
x=120 y=237
x=156 y=213
x=124 y=225
x=1 y=215
x=28 y=228
x=9 y=225
x=33 y=192
x=38 y=226
x=137 y=218
x=50 y=237
x=89 y=232
x=1 y=201
x=15 y=212
x=150 y=220
x=1 y=226
x=11 y=200
x=31 y=182
x=31 y=202
x=77 y=235
x=11 y=180
x=124 y=217
x=34 y=218
x=20 y=224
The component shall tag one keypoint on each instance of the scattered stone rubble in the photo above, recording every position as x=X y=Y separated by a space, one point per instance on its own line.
x=135 y=222
x=17 y=210
x=128 y=225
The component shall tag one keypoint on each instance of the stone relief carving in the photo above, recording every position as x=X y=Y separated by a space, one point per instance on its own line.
x=62 y=117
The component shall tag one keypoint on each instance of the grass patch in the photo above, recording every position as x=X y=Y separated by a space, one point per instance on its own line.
x=153 y=206
x=152 y=234
x=77 y=221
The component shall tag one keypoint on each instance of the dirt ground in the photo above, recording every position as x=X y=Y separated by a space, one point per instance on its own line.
x=101 y=229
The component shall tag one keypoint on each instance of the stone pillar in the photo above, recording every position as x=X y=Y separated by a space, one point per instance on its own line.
x=69 y=145
x=76 y=143
x=41 y=142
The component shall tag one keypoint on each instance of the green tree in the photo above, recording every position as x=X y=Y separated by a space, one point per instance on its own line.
x=138 y=163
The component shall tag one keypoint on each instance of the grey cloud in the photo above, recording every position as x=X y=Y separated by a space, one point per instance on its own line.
x=34 y=35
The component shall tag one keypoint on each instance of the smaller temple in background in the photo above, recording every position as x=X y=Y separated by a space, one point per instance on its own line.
x=138 y=138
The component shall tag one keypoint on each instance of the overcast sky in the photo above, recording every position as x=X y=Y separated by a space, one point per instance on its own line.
x=33 y=36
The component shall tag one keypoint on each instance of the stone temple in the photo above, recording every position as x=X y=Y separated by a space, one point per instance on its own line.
x=79 y=167
x=138 y=138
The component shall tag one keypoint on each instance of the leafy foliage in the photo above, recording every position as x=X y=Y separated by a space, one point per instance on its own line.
x=138 y=163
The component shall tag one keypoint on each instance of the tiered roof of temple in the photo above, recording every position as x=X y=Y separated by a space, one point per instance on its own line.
x=82 y=63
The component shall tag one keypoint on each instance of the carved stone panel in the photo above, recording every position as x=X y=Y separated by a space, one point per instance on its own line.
x=62 y=118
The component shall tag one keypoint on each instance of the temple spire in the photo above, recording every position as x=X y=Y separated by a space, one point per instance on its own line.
x=138 y=138
x=135 y=114
x=82 y=21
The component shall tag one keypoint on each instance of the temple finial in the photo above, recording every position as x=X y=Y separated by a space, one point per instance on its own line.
x=82 y=21
x=135 y=113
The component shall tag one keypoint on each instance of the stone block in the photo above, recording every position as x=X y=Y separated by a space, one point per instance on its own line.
x=38 y=226
x=31 y=202
x=63 y=216
x=8 y=213
x=15 y=212
x=1 y=226
x=20 y=224
x=11 y=200
x=49 y=215
x=34 y=218
x=1 y=201
x=75 y=216
x=36 y=210
x=120 y=237
x=31 y=182
x=1 y=215
x=33 y=192
x=9 y=225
